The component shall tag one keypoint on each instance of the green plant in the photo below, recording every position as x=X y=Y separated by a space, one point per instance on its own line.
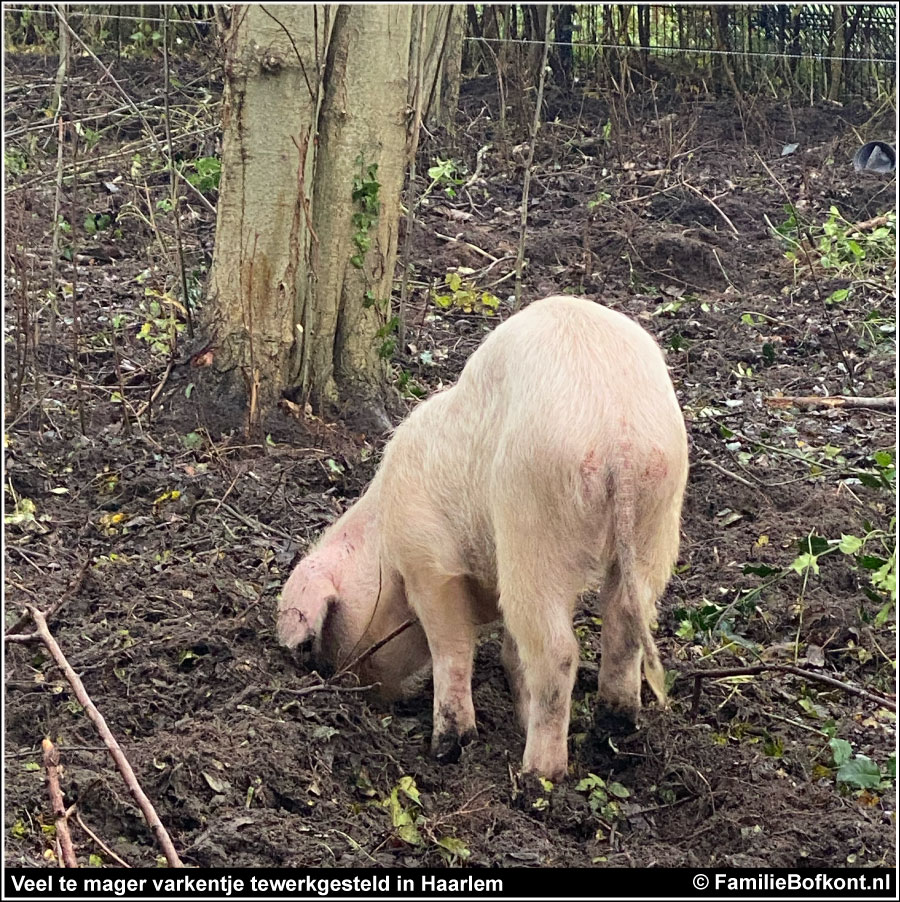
x=97 y=222
x=465 y=296
x=604 y=799
x=161 y=326
x=858 y=771
x=600 y=198
x=405 y=807
x=452 y=849
x=876 y=328
x=408 y=386
x=387 y=333
x=206 y=174
x=90 y=136
x=365 y=196
x=15 y=162
x=839 y=245
x=143 y=40
x=447 y=174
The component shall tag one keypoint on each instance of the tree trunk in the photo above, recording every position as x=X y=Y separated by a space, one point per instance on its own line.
x=643 y=24
x=314 y=129
x=561 y=57
x=437 y=21
x=362 y=132
x=451 y=69
x=837 y=50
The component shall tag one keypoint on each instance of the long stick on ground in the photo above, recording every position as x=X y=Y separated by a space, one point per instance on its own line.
x=814 y=401
x=535 y=125
x=756 y=669
x=43 y=633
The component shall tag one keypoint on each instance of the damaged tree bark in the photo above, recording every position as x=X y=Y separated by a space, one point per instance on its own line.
x=314 y=123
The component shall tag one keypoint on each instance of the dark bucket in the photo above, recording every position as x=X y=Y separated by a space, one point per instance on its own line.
x=876 y=156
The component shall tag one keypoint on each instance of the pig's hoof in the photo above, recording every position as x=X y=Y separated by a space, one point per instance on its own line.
x=533 y=794
x=448 y=747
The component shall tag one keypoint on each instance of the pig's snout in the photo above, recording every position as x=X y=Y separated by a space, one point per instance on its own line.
x=304 y=607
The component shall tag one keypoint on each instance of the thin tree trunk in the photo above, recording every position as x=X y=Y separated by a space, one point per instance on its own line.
x=451 y=68
x=836 y=52
x=535 y=126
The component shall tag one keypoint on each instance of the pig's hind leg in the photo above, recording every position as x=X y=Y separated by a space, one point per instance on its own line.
x=445 y=607
x=619 y=682
x=541 y=655
x=629 y=597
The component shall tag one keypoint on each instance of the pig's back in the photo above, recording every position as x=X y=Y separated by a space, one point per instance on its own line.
x=568 y=372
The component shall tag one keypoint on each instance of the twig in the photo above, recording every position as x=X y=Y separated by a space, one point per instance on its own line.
x=146 y=405
x=471 y=247
x=735 y=476
x=714 y=205
x=873 y=223
x=43 y=634
x=812 y=402
x=376 y=645
x=99 y=841
x=54 y=243
x=756 y=669
x=323 y=687
x=479 y=163
x=254 y=524
x=319 y=687
x=51 y=764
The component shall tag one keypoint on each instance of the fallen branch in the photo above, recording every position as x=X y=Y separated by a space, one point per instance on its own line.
x=756 y=669
x=43 y=634
x=51 y=764
x=873 y=223
x=812 y=402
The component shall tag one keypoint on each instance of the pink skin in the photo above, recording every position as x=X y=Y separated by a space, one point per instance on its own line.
x=558 y=462
x=334 y=598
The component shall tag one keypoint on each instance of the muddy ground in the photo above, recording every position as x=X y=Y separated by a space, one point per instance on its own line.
x=168 y=546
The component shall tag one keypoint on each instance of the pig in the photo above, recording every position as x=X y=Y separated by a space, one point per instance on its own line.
x=555 y=464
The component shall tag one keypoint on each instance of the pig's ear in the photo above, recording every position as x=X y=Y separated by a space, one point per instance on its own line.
x=305 y=601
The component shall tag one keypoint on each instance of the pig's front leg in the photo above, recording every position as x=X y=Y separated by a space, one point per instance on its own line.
x=515 y=676
x=444 y=607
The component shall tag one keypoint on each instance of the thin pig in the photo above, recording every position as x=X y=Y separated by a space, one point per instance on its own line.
x=557 y=463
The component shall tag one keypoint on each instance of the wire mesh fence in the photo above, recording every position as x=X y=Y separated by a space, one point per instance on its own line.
x=816 y=50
